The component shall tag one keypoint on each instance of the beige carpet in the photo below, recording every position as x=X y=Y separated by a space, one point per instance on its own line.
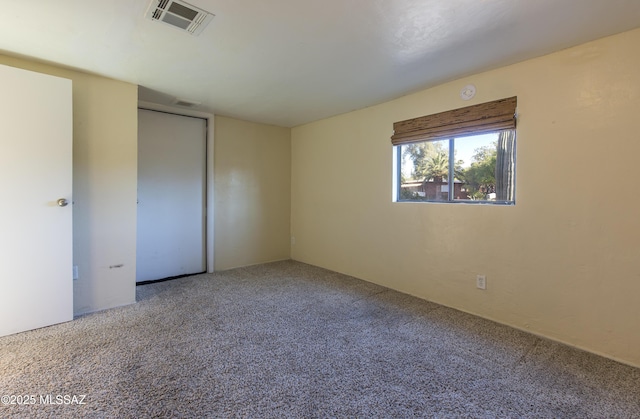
x=291 y=340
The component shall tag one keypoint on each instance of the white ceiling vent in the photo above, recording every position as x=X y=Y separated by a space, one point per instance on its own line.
x=180 y=15
x=185 y=103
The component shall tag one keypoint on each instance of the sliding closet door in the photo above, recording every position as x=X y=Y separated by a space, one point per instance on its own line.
x=171 y=195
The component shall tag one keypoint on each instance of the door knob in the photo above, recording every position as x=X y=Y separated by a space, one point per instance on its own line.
x=62 y=202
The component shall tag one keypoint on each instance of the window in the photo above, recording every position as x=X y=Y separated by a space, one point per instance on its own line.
x=465 y=155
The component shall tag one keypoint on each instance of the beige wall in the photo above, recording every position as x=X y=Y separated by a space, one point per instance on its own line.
x=562 y=263
x=252 y=193
x=104 y=186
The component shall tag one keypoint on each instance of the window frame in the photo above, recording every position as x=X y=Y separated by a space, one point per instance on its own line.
x=495 y=116
x=451 y=185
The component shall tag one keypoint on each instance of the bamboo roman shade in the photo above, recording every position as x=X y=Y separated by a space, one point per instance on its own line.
x=476 y=119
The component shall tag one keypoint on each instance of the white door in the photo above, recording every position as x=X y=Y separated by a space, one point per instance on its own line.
x=171 y=195
x=36 y=254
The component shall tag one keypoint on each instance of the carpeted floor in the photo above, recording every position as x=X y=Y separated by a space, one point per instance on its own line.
x=290 y=340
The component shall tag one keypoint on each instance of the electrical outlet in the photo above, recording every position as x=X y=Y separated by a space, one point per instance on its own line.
x=293 y=241
x=481 y=282
x=75 y=272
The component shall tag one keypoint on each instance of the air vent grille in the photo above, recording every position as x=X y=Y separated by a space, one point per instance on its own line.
x=180 y=15
x=185 y=103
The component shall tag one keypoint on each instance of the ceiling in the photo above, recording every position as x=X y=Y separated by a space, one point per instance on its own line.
x=289 y=62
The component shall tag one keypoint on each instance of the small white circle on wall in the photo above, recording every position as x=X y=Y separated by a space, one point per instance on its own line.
x=468 y=92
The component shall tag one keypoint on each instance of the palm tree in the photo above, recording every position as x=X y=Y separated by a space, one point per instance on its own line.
x=436 y=170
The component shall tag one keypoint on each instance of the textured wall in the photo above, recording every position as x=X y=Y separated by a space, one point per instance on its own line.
x=562 y=263
x=252 y=193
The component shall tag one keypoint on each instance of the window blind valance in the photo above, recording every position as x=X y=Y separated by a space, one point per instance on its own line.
x=475 y=119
